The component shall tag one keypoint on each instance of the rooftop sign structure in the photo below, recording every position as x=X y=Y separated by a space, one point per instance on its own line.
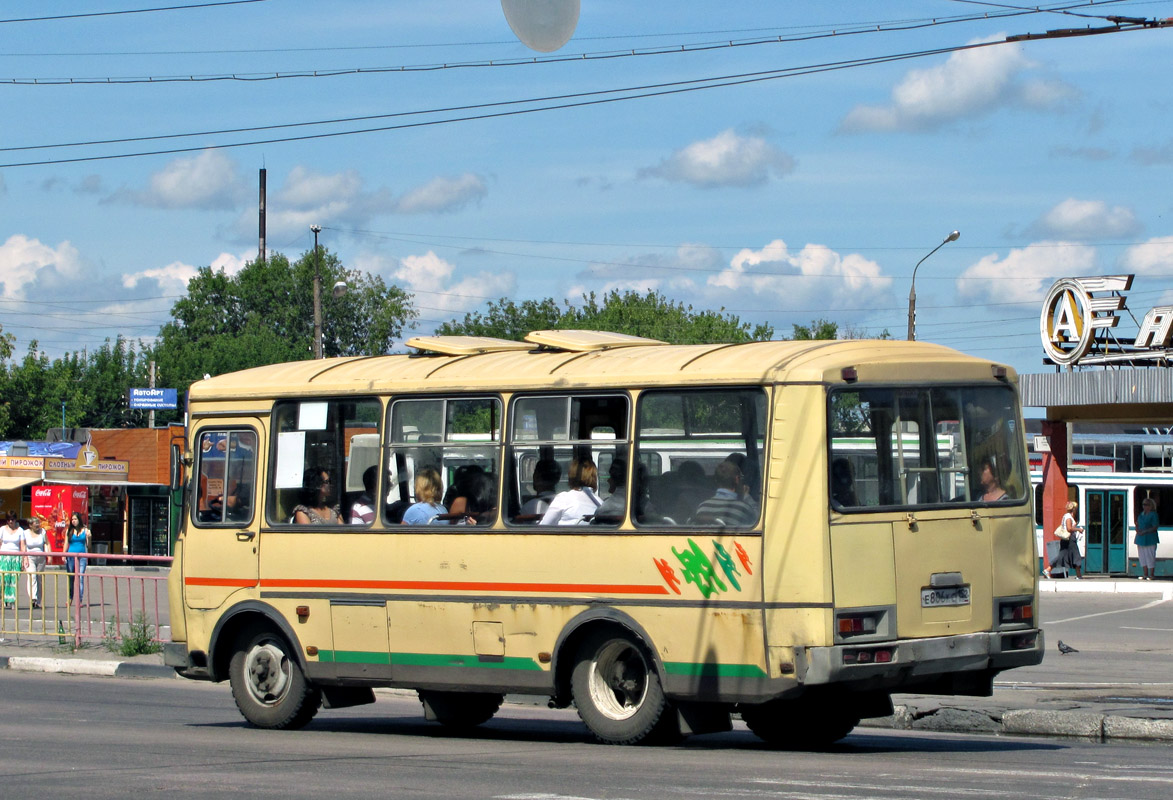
x=1079 y=319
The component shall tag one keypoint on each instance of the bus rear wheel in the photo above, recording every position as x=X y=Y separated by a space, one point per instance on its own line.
x=617 y=691
x=798 y=724
x=460 y=710
x=268 y=686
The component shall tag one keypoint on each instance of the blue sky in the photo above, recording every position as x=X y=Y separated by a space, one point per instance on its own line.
x=806 y=196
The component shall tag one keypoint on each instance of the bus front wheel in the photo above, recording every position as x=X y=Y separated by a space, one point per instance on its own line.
x=798 y=724
x=268 y=685
x=460 y=710
x=617 y=691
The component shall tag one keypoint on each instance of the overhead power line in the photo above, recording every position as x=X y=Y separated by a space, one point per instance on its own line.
x=576 y=100
x=851 y=29
x=84 y=14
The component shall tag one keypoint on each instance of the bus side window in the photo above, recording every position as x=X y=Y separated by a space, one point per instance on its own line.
x=322 y=449
x=226 y=477
x=458 y=438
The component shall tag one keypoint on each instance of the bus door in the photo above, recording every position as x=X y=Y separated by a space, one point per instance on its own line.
x=942 y=567
x=220 y=542
x=1105 y=525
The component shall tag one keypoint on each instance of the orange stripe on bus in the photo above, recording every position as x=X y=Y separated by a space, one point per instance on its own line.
x=238 y=582
x=550 y=588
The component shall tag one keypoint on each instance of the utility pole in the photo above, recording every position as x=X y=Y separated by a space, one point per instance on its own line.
x=151 y=384
x=952 y=237
x=261 y=220
x=317 y=295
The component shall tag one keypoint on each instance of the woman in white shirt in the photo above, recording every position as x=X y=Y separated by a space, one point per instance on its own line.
x=35 y=542
x=11 y=543
x=580 y=502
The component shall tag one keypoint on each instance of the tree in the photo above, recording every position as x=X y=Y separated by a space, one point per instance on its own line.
x=93 y=387
x=264 y=315
x=818 y=329
x=651 y=315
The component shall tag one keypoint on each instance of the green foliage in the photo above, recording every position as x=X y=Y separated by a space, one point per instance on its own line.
x=651 y=315
x=264 y=315
x=818 y=329
x=139 y=639
x=92 y=384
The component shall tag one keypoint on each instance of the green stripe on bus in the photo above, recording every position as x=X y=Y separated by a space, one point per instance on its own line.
x=708 y=670
x=425 y=660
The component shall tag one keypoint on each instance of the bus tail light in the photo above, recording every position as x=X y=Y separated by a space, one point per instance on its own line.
x=856 y=624
x=1016 y=612
x=882 y=655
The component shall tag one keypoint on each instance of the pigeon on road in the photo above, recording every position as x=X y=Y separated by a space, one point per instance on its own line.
x=1065 y=648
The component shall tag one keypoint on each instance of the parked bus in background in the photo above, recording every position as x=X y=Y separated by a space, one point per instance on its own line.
x=791 y=531
x=1109 y=503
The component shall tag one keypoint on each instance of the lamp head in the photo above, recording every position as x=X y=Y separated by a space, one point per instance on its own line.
x=953 y=237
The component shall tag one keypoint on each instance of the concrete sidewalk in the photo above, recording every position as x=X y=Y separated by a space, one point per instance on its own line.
x=1102 y=711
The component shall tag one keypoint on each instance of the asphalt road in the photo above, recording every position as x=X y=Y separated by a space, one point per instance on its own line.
x=73 y=737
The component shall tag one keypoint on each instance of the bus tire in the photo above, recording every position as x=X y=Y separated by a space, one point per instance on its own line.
x=460 y=710
x=617 y=691
x=798 y=724
x=268 y=686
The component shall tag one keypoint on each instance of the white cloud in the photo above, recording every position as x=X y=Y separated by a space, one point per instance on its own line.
x=970 y=83
x=443 y=194
x=175 y=275
x=1025 y=274
x=25 y=261
x=209 y=180
x=1153 y=257
x=431 y=278
x=1086 y=219
x=815 y=274
x=728 y=159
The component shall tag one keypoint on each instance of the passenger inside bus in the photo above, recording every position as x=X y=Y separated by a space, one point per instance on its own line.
x=579 y=503
x=729 y=505
x=843 y=484
x=991 y=481
x=611 y=511
x=547 y=473
x=475 y=501
x=317 y=496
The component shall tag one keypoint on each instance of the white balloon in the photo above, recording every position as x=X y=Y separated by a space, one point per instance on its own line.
x=542 y=25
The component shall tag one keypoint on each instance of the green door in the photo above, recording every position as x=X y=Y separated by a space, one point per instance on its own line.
x=1106 y=526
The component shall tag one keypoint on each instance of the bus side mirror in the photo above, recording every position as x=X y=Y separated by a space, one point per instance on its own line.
x=176 y=468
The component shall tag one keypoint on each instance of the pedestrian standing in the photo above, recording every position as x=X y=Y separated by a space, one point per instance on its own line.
x=36 y=541
x=11 y=543
x=77 y=539
x=1147 y=538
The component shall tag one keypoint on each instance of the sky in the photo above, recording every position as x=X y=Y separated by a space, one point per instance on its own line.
x=784 y=162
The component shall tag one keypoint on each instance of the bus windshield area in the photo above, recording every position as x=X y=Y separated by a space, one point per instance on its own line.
x=925 y=447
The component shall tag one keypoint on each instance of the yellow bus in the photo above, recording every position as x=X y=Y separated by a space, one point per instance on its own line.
x=786 y=531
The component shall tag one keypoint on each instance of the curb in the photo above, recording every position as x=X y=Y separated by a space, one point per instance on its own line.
x=1027 y=722
x=81 y=666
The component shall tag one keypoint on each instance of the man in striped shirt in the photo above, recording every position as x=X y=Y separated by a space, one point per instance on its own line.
x=728 y=506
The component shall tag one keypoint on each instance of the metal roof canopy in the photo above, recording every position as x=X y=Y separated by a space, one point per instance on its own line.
x=8 y=482
x=1115 y=395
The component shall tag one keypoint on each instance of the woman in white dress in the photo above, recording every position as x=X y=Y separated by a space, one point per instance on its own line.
x=11 y=543
x=36 y=543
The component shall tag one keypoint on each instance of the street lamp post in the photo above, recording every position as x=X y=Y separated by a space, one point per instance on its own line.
x=318 y=295
x=952 y=237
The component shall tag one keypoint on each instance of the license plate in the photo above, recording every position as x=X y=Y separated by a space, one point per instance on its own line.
x=944 y=596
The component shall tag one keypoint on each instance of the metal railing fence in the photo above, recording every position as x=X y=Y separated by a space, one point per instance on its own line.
x=99 y=602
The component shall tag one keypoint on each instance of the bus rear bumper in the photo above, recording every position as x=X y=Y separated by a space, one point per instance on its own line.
x=964 y=664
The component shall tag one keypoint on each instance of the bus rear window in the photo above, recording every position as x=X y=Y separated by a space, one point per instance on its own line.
x=909 y=447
